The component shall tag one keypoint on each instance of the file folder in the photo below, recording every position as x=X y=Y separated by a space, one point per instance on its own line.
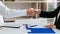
x=41 y=31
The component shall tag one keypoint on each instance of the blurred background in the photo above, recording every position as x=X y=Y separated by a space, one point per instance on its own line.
x=46 y=5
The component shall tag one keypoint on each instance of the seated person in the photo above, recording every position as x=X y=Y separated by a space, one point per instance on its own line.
x=52 y=14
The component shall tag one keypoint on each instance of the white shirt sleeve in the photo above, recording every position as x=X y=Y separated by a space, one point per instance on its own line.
x=3 y=9
x=1 y=20
x=11 y=13
x=16 y=13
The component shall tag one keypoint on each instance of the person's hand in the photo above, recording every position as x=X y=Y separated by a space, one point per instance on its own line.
x=50 y=26
x=30 y=12
x=37 y=11
x=33 y=12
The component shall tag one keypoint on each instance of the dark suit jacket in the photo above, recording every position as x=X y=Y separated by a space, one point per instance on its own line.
x=52 y=14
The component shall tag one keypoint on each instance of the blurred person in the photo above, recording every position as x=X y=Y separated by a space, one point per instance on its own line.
x=52 y=14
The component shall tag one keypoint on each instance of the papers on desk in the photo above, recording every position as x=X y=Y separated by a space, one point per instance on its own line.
x=40 y=30
x=30 y=22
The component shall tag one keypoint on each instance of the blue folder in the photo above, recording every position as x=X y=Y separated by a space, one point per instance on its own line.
x=41 y=31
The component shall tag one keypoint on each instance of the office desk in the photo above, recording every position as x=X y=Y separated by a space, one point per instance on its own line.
x=21 y=30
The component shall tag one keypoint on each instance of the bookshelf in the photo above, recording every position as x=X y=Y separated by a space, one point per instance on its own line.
x=25 y=4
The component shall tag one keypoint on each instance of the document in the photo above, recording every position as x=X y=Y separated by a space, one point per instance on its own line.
x=31 y=22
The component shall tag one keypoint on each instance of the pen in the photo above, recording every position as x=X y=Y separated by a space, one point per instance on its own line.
x=33 y=26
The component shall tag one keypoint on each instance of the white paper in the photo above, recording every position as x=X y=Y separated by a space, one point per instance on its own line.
x=40 y=22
